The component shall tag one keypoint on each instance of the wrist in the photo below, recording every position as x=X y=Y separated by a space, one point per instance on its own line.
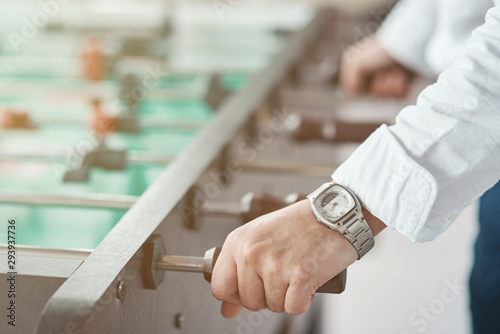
x=338 y=208
x=376 y=225
x=344 y=250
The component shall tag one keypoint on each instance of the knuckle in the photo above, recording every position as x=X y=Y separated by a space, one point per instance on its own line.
x=276 y=306
x=273 y=271
x=301 y=276
x=219 y=293
x=275 y=297
x=250 y=254
x=276 y=259
x=253 y=306
x=273 y=266
x=277 y=309
x=231 y=237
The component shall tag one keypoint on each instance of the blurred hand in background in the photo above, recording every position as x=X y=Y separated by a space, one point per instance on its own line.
x=366 y=68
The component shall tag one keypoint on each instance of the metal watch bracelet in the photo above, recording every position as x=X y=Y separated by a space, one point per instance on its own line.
x=356 y=229
x=360 y=235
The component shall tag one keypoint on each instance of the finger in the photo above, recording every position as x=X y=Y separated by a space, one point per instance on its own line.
x=377 y=84
x=395 y=84
x=353 y=79
x=345 y=76
x=275 y=292
x=298 y=299
x=357 y=73
x=390 y=86
x=225 y=278
x=401 y=83
x=386 y=86
x=229 y=310
x=251 y=289
x=351 y=75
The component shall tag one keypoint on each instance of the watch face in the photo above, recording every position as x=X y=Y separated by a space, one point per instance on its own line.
x=335 y=203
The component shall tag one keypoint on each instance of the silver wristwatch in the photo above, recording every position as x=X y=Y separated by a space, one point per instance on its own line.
x=339 y=209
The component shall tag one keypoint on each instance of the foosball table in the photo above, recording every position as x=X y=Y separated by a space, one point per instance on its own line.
x=126 y=154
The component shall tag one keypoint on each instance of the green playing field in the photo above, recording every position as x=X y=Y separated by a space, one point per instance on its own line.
x=45 y=79
x=75 y=227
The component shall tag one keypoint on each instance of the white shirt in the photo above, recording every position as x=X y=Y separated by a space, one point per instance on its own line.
x=443 y=153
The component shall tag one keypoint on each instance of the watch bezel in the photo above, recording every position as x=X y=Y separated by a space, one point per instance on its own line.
x=339 y=223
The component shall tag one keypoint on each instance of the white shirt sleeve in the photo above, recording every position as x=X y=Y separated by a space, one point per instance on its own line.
x=415 y=18
x=443 y=153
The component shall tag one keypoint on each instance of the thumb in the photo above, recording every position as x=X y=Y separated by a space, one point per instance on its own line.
x=229 y=310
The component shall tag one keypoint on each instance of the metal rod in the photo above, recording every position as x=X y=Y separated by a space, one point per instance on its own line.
x=89 y=201
x=319 y=98
x=223 y=208
x=149 y=158
x=7 y=153
x=158 y=123
x=13 y=152
x=42 y=153
x=226 y=208
x=181 y=263
x=290 y=168
x=69 y=87
x=143 y=123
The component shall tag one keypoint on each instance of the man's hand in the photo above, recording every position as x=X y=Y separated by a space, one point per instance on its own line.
x=366 y=68
x=278 y=261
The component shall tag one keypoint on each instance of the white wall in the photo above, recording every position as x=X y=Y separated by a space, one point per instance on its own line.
x=398 y=278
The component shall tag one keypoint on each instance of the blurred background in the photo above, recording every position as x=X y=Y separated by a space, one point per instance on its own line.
x=66 y=69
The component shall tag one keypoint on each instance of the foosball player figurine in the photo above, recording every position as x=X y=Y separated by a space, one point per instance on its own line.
x=101 y=122
x=11 y=118
x=93 y=60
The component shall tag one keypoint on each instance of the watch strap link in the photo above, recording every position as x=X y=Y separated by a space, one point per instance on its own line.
x=360 y=235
